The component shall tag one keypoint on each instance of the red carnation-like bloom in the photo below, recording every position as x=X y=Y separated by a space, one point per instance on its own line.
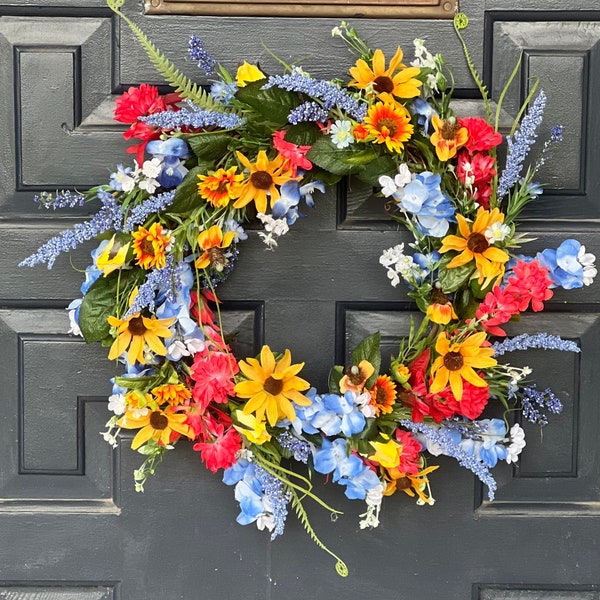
x=295 y=155
x=213 y=374
x=220 y=453
x=410 y=459
x=530 y=283
x=482 y=136
x=474 y=399
x=497 y=308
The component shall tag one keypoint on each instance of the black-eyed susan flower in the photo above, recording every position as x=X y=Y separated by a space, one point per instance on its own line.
x=212 y=241
x=389 y=124
x=149 y=246
x=137 y=332
x=473 y=244
x=458 y=360
x=412 y=484
x=271 y=386
x=219 y=187
x=395 y=81
x=262 y=180
x=157 y=425
x=356 y=376
x=448 y=137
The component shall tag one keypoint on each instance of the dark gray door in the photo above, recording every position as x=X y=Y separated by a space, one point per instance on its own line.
x=71 y=525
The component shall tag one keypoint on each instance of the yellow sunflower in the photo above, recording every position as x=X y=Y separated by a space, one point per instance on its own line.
x=458 y=360
x=389 y=124
x=396 y=80
x=448 y=137
x=219 y=187
x=149 y=246
x=411 y=484
x=472 y=244
x=383 y=395
x=271 y=385
x=213 y=242
x=264 y=175
x=135 y=333
x=157 y=425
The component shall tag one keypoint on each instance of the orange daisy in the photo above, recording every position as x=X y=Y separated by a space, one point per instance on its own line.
x=219 y=187
x=383 y=395
x=448 y=137
x=472 y=244
x=149 y=246
x=213 y=242
x=389 y=124
x=397 y=80
x=173 y=393
x=262 y=181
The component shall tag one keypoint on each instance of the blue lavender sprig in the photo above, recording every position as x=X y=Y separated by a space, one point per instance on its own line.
x=525 y=341
x=443 y=438
x=198 y=54
x=299 y=448
x=195 y=118
x=62 y=199
x=533 y=400
x=150 y=206
x=308 y=112
x=518 y=149
x=107 y=218
x=278 y=496
x=329 y=94
x=157 y=280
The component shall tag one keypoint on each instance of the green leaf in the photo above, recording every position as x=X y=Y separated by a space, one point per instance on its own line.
x=97 y=305
x=368 y=350
x=209 y=146
x=335 y=374
x=370 y=173
x=186 y=195
x=303 y=134
x=134 y=383
x=273 y=104
x=452 y=279
x=340 y=162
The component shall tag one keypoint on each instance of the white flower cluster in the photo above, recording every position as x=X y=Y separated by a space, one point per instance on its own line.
x=586 y=260
x=373 y=500
x=425 y=60
x=144 y=178
x=399 y=265
x=274 y=228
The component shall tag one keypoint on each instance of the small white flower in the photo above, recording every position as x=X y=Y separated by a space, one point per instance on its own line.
x=177 y=350
x=517 y=443
x=392 y=255
x=150 y=185
x=268 y=239
x=74 y=326
x=152 y=168
x=110 y=438
x=265 y=521
x=341 y=134
x=138 y=413
x=393 y=276
x=587 y=260
x=497 y=232
x=195 y=345
x=116 y=403
x=127 y=183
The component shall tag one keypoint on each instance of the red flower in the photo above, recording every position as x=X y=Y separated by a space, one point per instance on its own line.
x=477 y=171
x=213 y=373
x=482 y=136
x=294 y=155
x=140 y=102
x=474 y=399
x=530 y=283
x=410 y=459
x=497 y=308
x=220 y=452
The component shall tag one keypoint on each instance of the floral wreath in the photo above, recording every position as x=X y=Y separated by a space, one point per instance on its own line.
x=168 y=232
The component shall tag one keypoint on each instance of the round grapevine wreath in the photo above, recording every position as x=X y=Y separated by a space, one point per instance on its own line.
x=168 y=232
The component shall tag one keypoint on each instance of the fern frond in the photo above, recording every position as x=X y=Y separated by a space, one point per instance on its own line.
x=175 y=78
x=340 y=565
x=458 y=25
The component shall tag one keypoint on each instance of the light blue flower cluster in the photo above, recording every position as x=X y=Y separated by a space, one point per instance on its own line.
x=262 y=497
x=172 y=154
x=569 y=265
x=346 y=469
x=328 y=93
x=518 y=148
x=107 y=218
x=449 y=443
x=526 y=341
x=198 y=54
x=330 y=414
x=291 y=192
x=424 y=198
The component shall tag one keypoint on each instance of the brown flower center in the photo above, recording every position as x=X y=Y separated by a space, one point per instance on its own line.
x=355 y=375
x=389 y=124
x=261 y=180
x=273 y=386
x=450 y=129
x=402 y=483
x=136 y=326
x=438 y=297
x=453 y=361
x=158 y=421
x=477 y=243
x=147 y=247
x=383 y=84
